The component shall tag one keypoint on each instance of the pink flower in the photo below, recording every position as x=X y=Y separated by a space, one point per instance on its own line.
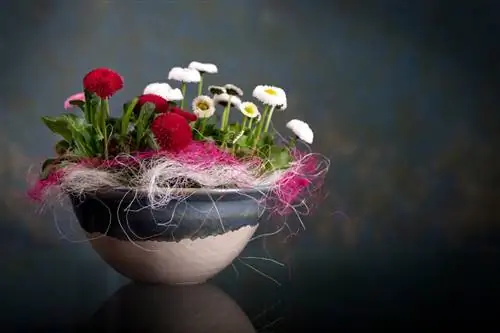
x=75 y=97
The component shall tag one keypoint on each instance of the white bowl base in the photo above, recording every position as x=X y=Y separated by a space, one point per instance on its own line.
x=174 y=263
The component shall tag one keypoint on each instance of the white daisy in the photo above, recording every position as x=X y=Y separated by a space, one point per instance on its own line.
x=216 y=90
x=157 y=88
x=203 y=106
x=185 y=75
x=231 y=89
x=270 y=95
x=203 y=68
x=175 y=95
x=249 y=109
x=223 y=99
x=163 y=90
x=301 y=130
x=282 y=107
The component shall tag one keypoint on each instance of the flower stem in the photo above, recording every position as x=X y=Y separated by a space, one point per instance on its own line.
x=104 y=118
x=200 y=84
x=240 y=134
x=225 y=114
x=222 y=118
x=203 y=124
x=183 y=90
x=88 y=113
x=258 y=129
x=268 y=121
x=235 y=145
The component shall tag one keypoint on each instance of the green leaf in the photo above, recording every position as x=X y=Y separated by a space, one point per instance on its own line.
x=85 y=137
x=244 y=151
x=143 y=121
x=128 y=104
x=103 y=115
x=211 y=130
x=91 y=106
x=279 y=158
x=78 y=125
x=60 y=125
x=96 y=114
x=114 y=126
x=62 y=147
x=128 y=110
x=90 y=97
x=49 y=165
x=264 y=145
x=235 y=127
x=145 y=115
x=243 y=141
x=114 y=122
x=211 y=133
x=151 y=141
x=48 y=162
x=148 y=109
x=80 y=150
x=267 y=139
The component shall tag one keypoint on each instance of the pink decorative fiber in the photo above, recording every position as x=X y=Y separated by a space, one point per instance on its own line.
x=37 y=192
x=203 y=155
x=294 y=186
x=298 y=183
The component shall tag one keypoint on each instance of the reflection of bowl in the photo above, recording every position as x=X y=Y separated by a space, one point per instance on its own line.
x=159 y=308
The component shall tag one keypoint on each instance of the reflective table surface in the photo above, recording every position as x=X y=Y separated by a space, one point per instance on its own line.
x=403 y=98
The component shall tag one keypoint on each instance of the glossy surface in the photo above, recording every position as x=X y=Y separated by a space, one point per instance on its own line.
x=195 y=309
x=402 y=96
x=125 y=215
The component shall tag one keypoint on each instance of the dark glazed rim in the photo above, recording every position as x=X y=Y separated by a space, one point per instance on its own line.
x=195 y=194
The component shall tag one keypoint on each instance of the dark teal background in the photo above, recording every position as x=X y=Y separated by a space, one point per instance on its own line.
x=403 y=98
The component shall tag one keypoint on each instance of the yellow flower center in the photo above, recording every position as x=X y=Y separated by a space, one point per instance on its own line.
x=250 y=110
x=202 y=106
x=271 y=91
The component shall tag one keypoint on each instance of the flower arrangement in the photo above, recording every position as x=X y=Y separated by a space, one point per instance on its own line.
x=156 y=145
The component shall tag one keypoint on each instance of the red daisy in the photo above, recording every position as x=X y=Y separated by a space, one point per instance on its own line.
x=186 y=115
x=103 y=82
x=172 y=131
x=161 y=104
